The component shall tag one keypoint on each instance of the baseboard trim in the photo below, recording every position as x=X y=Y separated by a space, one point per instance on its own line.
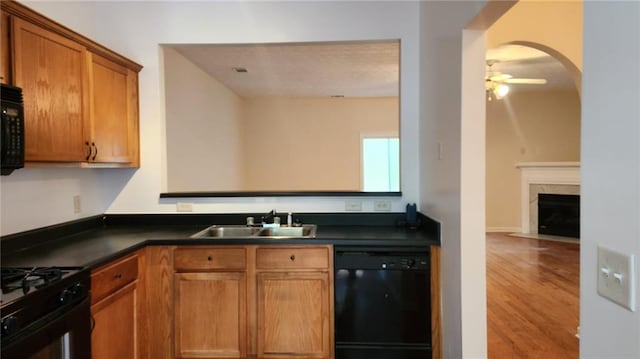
x=504 y=229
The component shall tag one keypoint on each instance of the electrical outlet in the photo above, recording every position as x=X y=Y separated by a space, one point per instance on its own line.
x=77 y=204
x=382 y=205
x=615 y=277
x=353 y=206
x=184 y=207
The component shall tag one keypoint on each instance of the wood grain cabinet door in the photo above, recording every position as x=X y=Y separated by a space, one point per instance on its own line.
x=51 y=69
x=293 y=315
x=114 y=333
x=5 y=56
x=210 y=315
x=114 y=104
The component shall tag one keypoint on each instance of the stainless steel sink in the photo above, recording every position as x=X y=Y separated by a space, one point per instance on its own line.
x=227 y=231
x=304 y=231
x=241 y=231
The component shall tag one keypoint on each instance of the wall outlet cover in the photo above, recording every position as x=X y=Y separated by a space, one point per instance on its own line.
x=184 y=207
x=382 y=205
x=353 y=205
x=77 y=204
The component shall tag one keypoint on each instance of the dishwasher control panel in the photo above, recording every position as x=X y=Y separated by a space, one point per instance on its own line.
x=381 y=260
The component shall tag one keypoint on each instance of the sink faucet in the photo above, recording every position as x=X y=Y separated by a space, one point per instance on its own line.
x=269 y=216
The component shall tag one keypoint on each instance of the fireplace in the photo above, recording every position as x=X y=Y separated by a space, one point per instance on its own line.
x=559 y=214
x=561 y=178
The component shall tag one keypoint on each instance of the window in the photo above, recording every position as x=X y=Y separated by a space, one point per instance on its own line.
x=381 y=164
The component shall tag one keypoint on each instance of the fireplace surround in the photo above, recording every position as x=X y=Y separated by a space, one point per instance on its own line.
x=544 y=177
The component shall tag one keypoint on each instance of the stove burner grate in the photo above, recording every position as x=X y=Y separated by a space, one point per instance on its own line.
x=27 y=278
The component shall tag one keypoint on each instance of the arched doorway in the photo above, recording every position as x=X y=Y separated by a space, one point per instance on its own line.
x=532 y=278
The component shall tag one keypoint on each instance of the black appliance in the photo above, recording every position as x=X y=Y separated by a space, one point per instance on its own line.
x=382 y=303
x=12 y=136
x=45 y=313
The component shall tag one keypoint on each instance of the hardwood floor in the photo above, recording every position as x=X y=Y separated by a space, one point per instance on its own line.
x=532 y=297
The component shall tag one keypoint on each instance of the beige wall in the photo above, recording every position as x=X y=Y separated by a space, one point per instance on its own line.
x=203 y=117
x=290 y=142
x=526 y=126
x=551 y=26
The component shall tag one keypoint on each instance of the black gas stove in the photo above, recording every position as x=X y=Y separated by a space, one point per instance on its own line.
x=41 y=308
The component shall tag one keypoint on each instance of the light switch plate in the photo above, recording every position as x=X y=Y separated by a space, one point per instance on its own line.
x=616 y=277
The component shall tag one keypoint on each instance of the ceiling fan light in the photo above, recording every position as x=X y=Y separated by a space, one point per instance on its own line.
x=500 y=91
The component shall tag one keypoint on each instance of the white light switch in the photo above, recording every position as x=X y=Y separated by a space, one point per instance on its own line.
x=615 y=277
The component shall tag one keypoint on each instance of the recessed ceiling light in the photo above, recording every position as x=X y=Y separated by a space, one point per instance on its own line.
x=240 y=69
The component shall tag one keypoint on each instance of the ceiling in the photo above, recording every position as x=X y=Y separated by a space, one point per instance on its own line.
x=527 y=62
x=350 y=69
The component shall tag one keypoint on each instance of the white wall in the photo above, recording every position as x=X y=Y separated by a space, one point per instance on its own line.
x=31 y=198
x=452 y=166
x=141 y=27
x=204 y=129
x=144 y=25
x=610 y=200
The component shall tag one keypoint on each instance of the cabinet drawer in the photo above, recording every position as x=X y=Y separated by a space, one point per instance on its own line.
x=292 y=258
x=112 y=277
x=209 y=258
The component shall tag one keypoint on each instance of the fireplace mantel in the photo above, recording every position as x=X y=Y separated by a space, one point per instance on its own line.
x=543 y=173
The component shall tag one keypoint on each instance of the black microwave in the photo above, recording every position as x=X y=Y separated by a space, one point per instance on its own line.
x=12 y=137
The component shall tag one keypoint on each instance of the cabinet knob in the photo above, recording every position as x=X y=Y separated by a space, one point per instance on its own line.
x=88 y=150
x=117 y=276
x=293 y=257
x=210 y=258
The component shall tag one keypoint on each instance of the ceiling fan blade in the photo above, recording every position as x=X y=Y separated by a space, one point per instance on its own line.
x=499 y=77
x=525 y=81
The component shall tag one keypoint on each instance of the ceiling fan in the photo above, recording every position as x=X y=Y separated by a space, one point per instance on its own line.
x=497 y=83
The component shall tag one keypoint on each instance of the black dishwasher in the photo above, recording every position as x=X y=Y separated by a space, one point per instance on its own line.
x=382 y=303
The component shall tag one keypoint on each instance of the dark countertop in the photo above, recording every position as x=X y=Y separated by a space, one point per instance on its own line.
x=96 y=246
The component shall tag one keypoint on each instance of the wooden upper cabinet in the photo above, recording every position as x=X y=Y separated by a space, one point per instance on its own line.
x=5 y=57
x=51 y=69
x=80 y=98
x=113 y=125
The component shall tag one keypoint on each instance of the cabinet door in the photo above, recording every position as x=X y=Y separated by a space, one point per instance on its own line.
x=114 y=334
x=210 y=315
x=4 y=49
x=114 y=106
x=51 y=70
x=293 y=315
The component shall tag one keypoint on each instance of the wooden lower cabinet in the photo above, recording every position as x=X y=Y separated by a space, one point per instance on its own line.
x=238 y=301
x=210 y=315
x=293 y=315
x=114 y=333
x=115 y=305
